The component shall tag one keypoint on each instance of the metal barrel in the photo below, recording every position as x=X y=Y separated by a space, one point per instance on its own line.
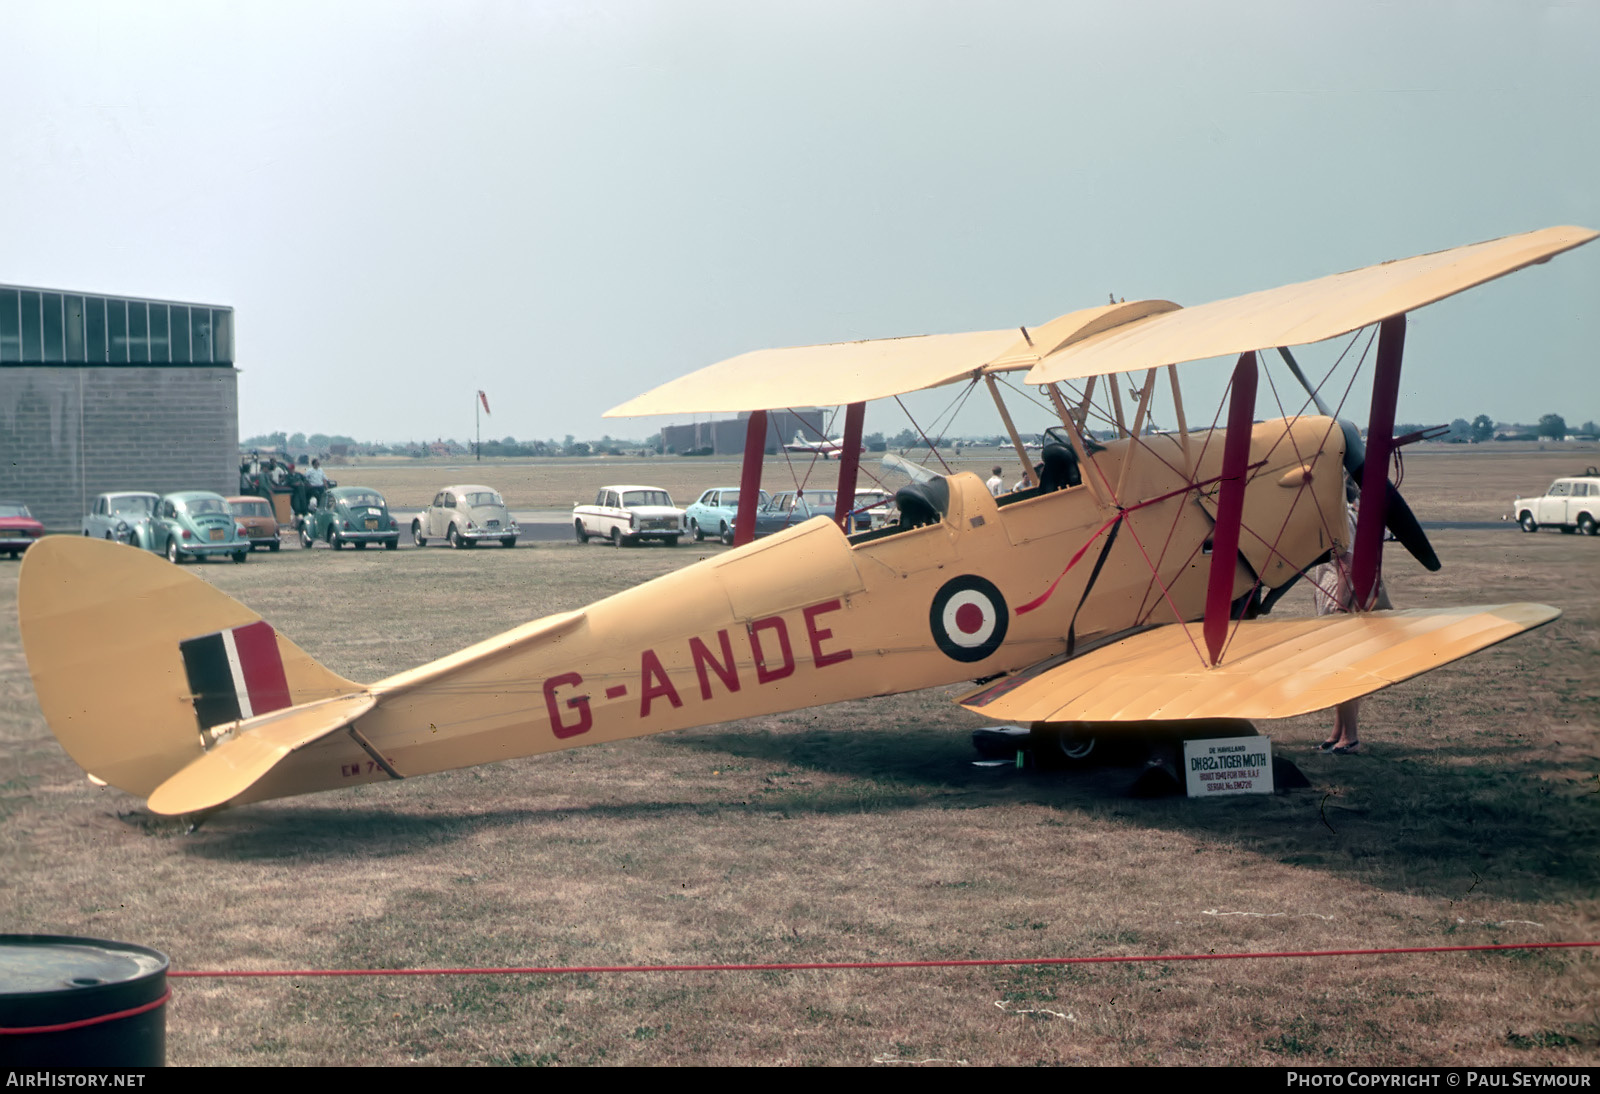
x=81 y=1003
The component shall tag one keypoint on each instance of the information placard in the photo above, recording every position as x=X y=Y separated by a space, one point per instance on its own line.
x=1228 y=765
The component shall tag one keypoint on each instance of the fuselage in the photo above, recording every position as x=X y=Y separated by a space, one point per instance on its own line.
x=810 y=616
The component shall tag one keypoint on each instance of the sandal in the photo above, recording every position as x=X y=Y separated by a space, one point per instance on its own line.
x=1329 y=745
x=1352 y=749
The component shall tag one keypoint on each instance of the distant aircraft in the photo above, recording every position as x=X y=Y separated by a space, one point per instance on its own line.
x=828 y=446
x=1131 y=584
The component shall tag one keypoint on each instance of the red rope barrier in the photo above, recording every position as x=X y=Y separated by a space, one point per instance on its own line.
x=811 y=966
x=81 y=1023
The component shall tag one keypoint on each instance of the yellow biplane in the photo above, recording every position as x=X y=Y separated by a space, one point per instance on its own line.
x=1127 y=581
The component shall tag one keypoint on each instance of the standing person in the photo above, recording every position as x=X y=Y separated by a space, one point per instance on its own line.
x=317 y=482
x=995 y=483
x=1332 y=593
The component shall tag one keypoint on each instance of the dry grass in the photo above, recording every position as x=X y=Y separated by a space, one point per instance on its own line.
x=861 y=831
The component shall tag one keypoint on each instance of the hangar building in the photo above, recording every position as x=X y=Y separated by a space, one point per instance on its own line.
x=726 y=437
x=113 y=393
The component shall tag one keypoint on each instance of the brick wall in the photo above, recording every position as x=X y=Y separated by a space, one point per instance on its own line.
x=67 y=434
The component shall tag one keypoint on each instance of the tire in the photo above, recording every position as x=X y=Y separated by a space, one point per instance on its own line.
x=174 y=555
x=455 y=539
x=240 y=556
x=694 y=530
x=361 y=545
x=616 y=537
x=509 y=541
x=273 y=546
x=1528 y=523
x=108 y=535
x=1060 y=747
x=671 y=541
x=416 y=534
x=335 y=540
x=305 y=537
x=581 y=532
x=727 y=535
x=392 y=544
x=1586 y=525
x=1567 y=529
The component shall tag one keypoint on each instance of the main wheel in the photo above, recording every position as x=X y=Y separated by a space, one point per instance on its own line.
x=454 y=535
x=416 y=534
x=727 y=535
x=174 y=555
x=616 y=537
x=582 y=533
x=1061 y=746
x=694 y=530
x=1528 y=523
x=1586 y=525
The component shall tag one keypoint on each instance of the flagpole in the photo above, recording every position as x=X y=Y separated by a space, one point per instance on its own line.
x=477 y=424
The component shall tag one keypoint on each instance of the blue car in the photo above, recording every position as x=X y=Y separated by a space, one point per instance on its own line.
x=716 y=512
x=191 y=524
x=789 y=509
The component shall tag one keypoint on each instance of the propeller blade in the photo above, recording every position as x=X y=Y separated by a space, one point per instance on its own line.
x=1294 y=367
x=1399 y=519
x=1397 y=515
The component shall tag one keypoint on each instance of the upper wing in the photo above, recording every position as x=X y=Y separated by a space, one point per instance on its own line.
x=1272 y=668
x=1310 y=311
x=853 y=372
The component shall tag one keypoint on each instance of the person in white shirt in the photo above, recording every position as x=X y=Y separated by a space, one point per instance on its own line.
x=995 y=483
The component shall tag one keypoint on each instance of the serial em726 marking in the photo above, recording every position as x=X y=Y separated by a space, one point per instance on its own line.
x=771 y=653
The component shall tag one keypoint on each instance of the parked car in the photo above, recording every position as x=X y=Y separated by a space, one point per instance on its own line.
x=629 y=514
x=350 y=514
x=191 y=524
x=716 y=511
x=795 y=507
x=256 y=517
x=466 y=516
x=115 y=514
x=1571 y=504
x=18 y=529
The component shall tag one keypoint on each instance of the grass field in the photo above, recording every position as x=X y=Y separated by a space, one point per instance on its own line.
x=861 y=831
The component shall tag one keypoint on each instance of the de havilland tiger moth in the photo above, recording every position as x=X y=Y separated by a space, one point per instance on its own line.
x=1129 y=581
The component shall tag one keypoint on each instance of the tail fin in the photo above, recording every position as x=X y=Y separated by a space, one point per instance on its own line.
x=133 y=659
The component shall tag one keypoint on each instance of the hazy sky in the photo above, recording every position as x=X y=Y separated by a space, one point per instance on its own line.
x=567 y=204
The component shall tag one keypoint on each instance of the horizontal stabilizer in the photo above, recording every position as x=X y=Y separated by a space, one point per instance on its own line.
x=1271 y=668
x=251 y=749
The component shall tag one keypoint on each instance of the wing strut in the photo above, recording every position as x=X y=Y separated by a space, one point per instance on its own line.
x=1367 y=556
x=849 y=461
x=1230 y=505
x=755 y=444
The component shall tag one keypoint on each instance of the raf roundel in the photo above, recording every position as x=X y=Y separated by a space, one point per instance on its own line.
x=968 y=618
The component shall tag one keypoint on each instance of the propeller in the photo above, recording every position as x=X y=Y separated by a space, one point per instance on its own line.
x=1397 y=515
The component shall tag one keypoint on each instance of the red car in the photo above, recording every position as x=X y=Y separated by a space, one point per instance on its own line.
x=18 y=529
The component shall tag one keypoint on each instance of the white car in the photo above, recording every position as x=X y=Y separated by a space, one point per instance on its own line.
x=1571 y=504
x=629 y=514
x=465 y=516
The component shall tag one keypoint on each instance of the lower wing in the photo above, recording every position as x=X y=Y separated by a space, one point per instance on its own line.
x=1270 y=669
